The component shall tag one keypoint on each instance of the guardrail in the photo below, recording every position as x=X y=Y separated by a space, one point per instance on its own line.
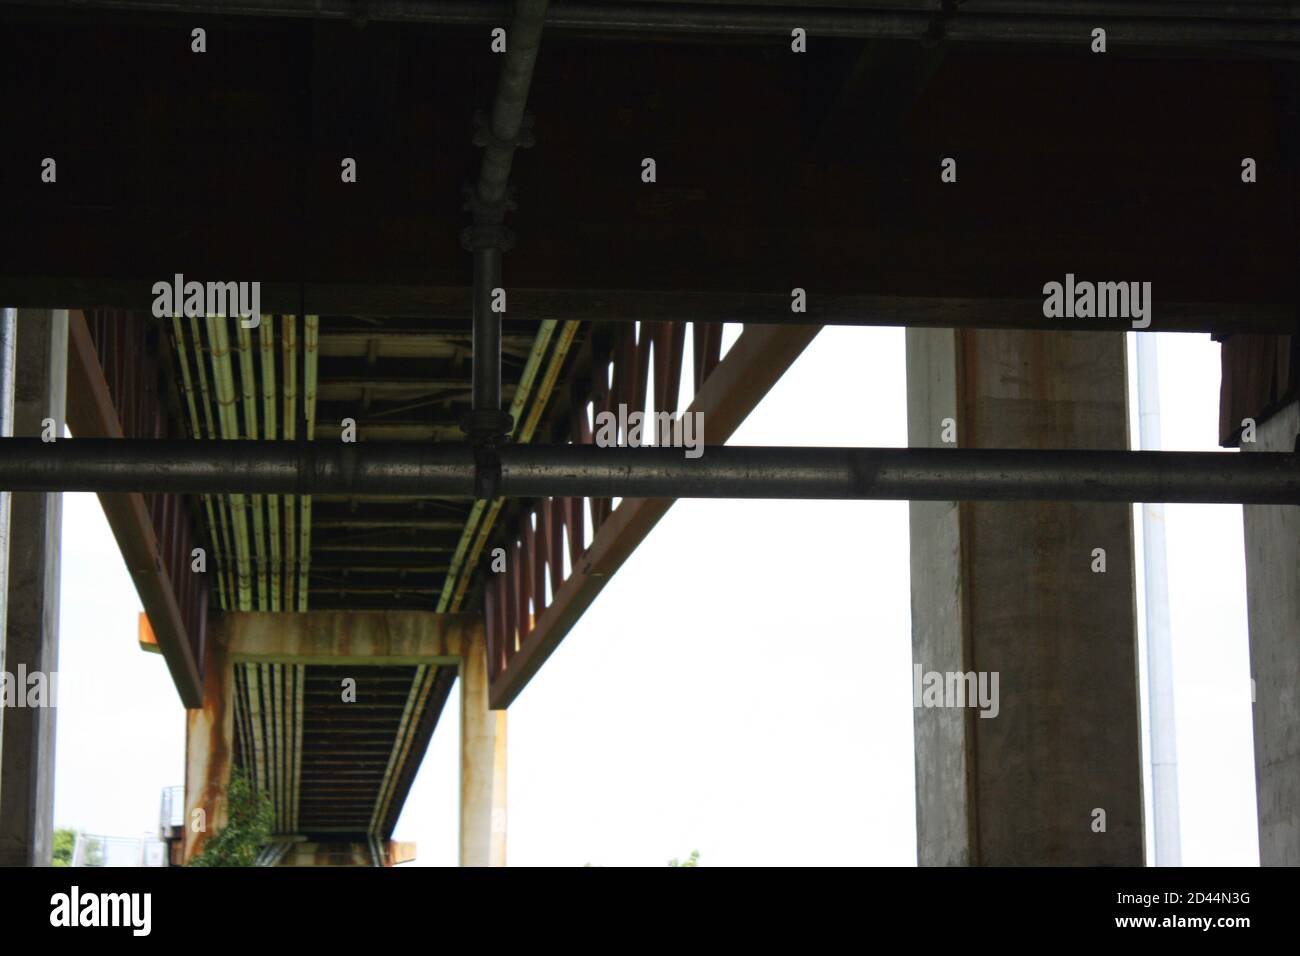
x=95 y=850
x=171 y=815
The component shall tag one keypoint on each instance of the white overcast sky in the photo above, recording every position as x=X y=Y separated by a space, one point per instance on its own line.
x=742 y=687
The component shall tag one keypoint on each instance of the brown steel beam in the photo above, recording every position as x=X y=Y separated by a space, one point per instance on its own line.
x=645 y=305
x=92 y=414
x=735 y=386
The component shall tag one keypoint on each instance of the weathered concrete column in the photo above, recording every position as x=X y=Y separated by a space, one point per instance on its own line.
x=1009 y=588
x=482 y=763
x=1273 y=609
x=32 y=627
x=8 y=343
x=209 y=750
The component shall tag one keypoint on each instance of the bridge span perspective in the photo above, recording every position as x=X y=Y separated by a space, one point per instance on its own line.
x=386 y=333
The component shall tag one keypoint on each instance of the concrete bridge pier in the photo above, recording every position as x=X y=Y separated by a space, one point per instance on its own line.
x=1049 y=771
x=209 y=750
x=1273 y=607
x=482 y=763
x=32 y=627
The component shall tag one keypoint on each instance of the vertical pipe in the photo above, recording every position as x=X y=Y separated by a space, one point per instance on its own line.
x=1160 y=675
x=522 y=393
x=516 y=77
x=523 y=434
x=487 y=331
x=487 y=238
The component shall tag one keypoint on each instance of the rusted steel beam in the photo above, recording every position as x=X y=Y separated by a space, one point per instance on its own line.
x=1006 y=308
x=669 y=340
x=519 y=581
x=631 y=359
x=601 y=401
x=539 y=552
x=731 y=390
x=1260 y=376
x=574 y=525
x=707 y=350
x=154 y=532
x=509 y=585
x=553 y=536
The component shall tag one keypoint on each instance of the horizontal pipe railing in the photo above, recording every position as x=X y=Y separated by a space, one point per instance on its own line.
x=725 y=471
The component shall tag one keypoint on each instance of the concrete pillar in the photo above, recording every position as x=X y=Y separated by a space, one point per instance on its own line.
x=482 y=762
x=8 y=351
x=1008 y=588
x=32 y=626
x=1273 y=609
x=209 y=750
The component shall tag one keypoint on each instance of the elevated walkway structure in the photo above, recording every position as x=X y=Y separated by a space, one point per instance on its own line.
x=310 y=502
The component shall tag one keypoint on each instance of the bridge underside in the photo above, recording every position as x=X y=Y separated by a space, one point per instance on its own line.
x=776 y=171
x=336 y=745
x=329 y=713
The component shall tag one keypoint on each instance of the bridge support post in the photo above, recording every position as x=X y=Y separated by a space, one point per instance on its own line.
x=1273 y=606
x=209 y=750
x=32 y=633
x=482 y=762
x=1024 y=631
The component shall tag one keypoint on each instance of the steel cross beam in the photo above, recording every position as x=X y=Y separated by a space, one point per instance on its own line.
x=110 y=368
x=1012 y=21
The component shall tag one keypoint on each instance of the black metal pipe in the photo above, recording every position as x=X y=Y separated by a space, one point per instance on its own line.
x=414 y=468
x=487 y=332
x=488 y=424
x=522 y=44
x=921 y=474
x=234 y=467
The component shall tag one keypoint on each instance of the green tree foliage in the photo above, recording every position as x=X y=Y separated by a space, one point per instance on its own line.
x=65 y=840
x=64 y=848
x=251 y=818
